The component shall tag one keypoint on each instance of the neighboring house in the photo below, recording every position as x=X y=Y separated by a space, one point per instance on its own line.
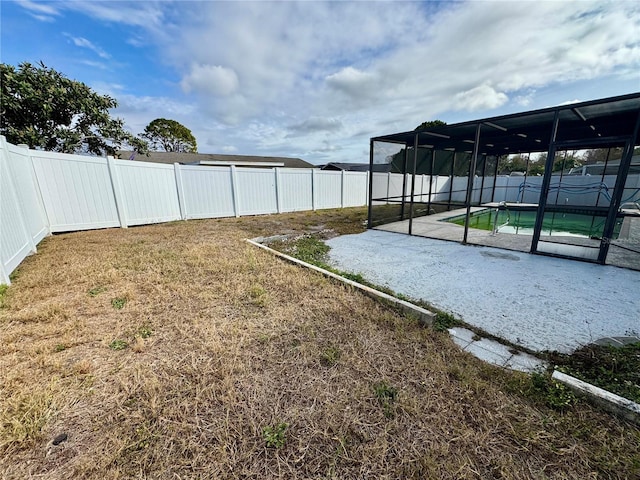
x=356 y=167
x=601 y=168
x=215 y=159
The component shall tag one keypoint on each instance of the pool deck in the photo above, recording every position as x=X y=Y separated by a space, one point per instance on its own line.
x=538 y=302
x=433 y=226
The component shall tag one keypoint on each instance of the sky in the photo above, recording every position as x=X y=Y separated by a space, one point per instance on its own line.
x=317 y=79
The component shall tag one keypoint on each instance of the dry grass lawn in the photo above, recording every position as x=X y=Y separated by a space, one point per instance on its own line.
x=179 y=351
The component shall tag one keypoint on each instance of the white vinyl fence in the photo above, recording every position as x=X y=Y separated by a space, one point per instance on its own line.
x=46 y=192
x=572 y=190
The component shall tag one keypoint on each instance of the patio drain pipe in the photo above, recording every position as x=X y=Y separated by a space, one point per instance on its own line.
x=424 y=316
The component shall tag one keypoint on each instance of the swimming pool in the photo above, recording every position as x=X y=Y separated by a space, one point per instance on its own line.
x=522 y=222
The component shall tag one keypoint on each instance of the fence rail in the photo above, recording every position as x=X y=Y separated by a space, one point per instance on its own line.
x=47 y=192
x=568 y=190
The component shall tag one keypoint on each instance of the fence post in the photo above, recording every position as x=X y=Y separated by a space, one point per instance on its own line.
x=388 y=185
x=342 y=186
x=234 y=190
x=12 y=192
x=4 y=276
x=117 y=191
x=34 y=178
x=180 y=189
x=366 y=189
x=313 y=189
x=4 y=165
x=276 y=174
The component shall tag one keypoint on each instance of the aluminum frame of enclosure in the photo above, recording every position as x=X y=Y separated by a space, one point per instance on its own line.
x=604 y=123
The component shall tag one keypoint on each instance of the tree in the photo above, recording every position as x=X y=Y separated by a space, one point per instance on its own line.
x=431 y=124
x=172 y=136
x=44 y=109
x=601 y=155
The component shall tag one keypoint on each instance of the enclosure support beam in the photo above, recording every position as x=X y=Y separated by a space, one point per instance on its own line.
x=451 y=177
x=546 y=181
x=413 y=181
x=433 y=159
x=495 y=178
x=369 y=216
x=623 y=172
x=470 y=181
x=404 y=183
x=604 y=171
x=564 y=161
x=484 y=168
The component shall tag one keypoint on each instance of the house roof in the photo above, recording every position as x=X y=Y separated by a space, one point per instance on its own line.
x=216 y=159
x=355 y=167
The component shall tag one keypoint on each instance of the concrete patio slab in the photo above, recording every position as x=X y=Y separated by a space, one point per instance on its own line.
x=494 y=352
x=524 y=362
x=538 y=302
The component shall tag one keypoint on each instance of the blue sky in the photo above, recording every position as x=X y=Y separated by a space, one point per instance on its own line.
x=317 y=79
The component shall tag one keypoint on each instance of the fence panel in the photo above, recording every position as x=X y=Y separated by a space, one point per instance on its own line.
x=459 y=189
x=395 y=186
x=440 y=188
x=149 y=191
x=76 y=191
x=256 y=191
x=355 y=189
x=487 y=189
x=208 y=191
x=328 y=189
x=296 y=189
x=380 y=185
x=15 y=243
x=26 y=189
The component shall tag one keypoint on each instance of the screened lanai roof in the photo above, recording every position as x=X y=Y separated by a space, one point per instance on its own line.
x=596 y=120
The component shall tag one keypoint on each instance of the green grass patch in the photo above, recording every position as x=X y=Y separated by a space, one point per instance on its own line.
x=387 y=396
x=275 y=435
x=118 y=303
x=615 y=369
x=555 y=394
x=118 y=345
x=541 y=389
x=94 y=292
x=330 y=356
x=145 y=331
x=3 y=292
x=444 y=321
x=308 y=248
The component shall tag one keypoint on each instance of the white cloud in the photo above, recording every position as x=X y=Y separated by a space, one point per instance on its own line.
x=92 y=64
x=316 y=124
x=148 y=14
x=320 y=77
x=210 y=79
x=525 y=99
x=482 y=97
x=570 y=102
x=84 y=43
x=43 y=18
x=45 y=12
x=353 y=82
